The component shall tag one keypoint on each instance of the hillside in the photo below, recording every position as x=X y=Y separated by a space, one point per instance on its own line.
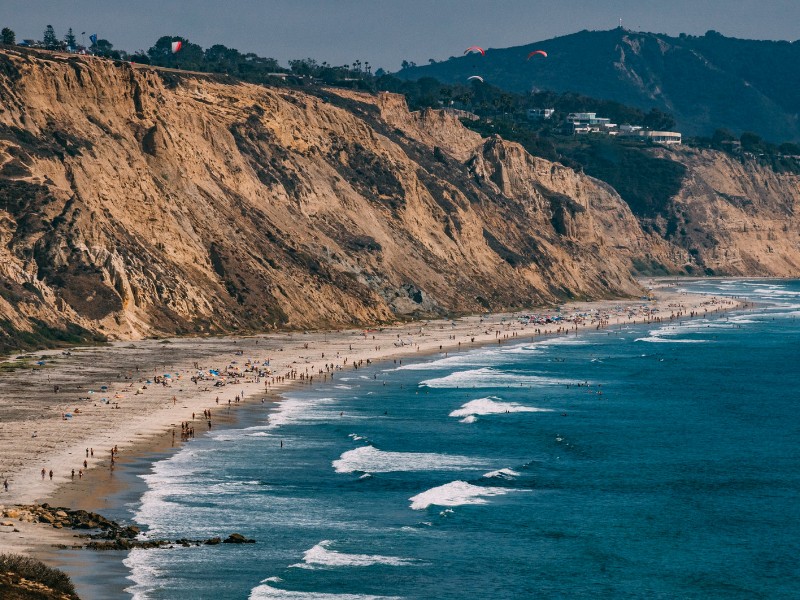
x=136 y=202
x=706 y=82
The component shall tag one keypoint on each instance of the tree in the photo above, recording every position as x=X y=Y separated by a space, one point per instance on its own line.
x=722 y=136
x=790 y=149
x=105 y=49
x=70 y=40
x=659 y=121
x=189 y=57
x=7 y=36
x=50 y=40
x=751 y=141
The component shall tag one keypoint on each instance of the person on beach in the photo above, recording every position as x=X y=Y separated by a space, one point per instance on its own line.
x=5 y=484
x=51 y=474
x=44 y=472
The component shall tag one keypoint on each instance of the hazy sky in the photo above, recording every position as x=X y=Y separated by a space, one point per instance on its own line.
x=384 y=32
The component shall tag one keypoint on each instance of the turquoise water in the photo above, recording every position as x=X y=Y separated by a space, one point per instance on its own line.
x=671 y=471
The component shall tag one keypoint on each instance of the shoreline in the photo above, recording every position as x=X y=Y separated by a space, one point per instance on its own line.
x=145 y=429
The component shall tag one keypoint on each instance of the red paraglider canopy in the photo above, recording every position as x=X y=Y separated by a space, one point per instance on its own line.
x=475 y=49
x=176 y=46
x=542 y=52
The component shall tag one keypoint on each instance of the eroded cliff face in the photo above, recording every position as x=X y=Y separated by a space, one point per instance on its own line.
x=734 y=216
x=136 y=202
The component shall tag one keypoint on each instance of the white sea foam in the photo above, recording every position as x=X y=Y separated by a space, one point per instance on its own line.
x=369 y=459
x=491 y=406
x=456 y=493
x=266 y=592
x=474 y=358
x=486 y=357
x=229 y=435
x=144 y=572
x=489 y=378
x=295 y=410
x=501 y=474
x=661 y=340
x=321 y=555
x=468 y=419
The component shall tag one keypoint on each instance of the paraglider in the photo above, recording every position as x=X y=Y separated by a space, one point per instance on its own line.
x=535 y=52
x=477 y=77
x=475 y=49
x=176 y=46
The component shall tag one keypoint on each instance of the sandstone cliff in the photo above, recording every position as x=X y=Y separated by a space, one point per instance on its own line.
x=733 y=216
x=137 y=202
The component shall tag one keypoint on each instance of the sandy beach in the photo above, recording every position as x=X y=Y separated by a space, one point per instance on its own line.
x=65 y=411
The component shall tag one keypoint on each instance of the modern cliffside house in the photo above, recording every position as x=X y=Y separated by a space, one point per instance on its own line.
x=662 y=137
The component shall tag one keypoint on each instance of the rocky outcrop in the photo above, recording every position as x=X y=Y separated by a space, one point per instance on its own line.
x=109 y=535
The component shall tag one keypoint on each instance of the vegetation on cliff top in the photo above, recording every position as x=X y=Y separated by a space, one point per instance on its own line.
x=24 y=578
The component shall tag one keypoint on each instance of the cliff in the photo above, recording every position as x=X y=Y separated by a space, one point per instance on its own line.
x=733 y=216
x=138 y=202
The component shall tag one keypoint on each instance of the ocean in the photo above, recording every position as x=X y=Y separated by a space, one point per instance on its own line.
x=648 y=461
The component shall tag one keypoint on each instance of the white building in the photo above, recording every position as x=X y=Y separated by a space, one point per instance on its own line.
x=540 y=114
x=590 y=119
x=662 y=137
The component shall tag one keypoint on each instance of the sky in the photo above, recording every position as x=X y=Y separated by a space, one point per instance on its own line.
x=386 y=32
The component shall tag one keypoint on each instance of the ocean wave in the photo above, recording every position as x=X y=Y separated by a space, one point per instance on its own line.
x=661 y=340
x=369 y=459
x=487 y=377
x=296 y=410
x=322 y=556
x=486 y=357
x=473 y=358
x=456 y=493
x=468 y=419
x=266 y=592
x=490 y=406
x=501 y=474
x=144 y=572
